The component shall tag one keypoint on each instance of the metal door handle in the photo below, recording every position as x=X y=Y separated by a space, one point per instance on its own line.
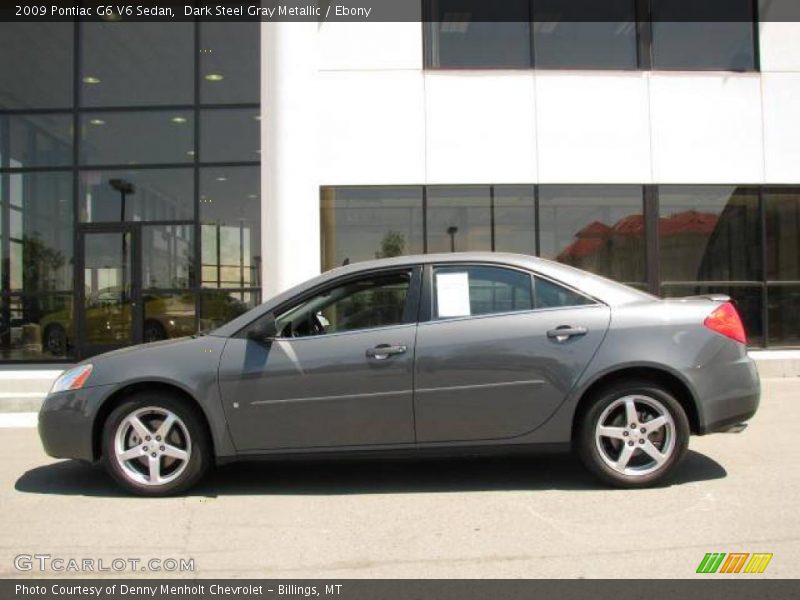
x=384 y=351
x=564 y=332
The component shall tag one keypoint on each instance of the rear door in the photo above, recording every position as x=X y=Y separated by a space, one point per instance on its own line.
x=499 y=351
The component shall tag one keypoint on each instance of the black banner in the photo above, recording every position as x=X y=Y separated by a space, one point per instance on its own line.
x=403 y=10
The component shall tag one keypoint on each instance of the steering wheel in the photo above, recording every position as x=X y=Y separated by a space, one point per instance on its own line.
x=311 y=325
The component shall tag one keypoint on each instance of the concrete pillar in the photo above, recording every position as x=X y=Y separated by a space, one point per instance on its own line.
x=290 y=223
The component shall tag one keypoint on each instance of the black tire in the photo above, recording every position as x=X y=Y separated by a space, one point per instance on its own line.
x=154 y=332
x=55 y=340
x=589 y=448
x=200 y=455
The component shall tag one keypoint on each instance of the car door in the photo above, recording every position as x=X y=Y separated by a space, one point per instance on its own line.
x=339 y=373
x=498 y=351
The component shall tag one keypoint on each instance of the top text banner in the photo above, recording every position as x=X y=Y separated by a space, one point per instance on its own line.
x=454 y=12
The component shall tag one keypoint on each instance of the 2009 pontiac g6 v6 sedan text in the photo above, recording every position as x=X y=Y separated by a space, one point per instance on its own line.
x=458 y=353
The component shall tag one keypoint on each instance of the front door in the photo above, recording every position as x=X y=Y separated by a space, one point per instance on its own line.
x=338 y=373
x=109 y=307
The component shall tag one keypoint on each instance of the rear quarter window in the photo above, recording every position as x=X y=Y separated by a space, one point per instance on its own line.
x=553 y=295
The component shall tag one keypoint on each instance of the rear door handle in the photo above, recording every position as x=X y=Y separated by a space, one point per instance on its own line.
x=564 y=332
x=384 y=351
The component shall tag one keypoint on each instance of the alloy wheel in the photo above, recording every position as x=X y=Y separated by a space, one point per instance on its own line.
x=635 y=435
x=152 y=446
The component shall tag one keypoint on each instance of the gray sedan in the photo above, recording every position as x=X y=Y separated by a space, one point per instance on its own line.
x=457 y=353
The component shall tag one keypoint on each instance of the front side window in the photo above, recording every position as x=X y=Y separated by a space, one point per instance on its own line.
x=375 y=301
x=462 y=291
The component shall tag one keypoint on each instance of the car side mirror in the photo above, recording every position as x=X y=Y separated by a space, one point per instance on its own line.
x=265 y=330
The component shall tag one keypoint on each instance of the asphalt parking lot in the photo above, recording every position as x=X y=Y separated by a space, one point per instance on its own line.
x=514 y=517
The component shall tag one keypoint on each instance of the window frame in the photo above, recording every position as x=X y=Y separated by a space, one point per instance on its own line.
x=643 y=27
x=427 y=303
x=410 y=311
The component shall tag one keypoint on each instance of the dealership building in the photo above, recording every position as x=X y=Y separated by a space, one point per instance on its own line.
x=157 y=179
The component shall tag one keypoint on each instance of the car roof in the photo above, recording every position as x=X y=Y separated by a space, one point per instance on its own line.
x=605 y=290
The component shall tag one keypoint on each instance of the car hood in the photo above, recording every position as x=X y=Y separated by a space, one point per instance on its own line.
x=178 y=360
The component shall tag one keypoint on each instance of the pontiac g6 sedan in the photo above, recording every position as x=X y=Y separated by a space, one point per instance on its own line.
x=457 y=353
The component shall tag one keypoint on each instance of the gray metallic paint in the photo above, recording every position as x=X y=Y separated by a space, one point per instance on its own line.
x=469 y=365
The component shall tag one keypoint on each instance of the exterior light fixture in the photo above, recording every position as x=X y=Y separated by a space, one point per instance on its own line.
x=91 y=80
x=214 y=77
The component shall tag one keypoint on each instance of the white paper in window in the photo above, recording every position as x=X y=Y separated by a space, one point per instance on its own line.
x=452 y=294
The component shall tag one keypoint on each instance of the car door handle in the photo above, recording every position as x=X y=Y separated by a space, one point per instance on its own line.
x=384 y=351
x=563 y=332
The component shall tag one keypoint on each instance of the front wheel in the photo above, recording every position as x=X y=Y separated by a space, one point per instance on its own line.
x=154 y=445
x=633 y=434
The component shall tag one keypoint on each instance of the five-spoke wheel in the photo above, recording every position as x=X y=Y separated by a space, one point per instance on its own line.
x=152 y=446
x=632 y=434
x=155 y=444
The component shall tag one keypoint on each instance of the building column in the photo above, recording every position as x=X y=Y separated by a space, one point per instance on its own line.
x=290 y=222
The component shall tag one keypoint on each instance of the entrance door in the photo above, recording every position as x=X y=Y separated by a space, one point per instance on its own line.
x=109 y=308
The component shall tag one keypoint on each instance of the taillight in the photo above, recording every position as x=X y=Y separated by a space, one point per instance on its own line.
x=725 y=320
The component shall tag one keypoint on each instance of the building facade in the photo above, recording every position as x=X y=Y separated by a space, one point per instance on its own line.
x=158 y=179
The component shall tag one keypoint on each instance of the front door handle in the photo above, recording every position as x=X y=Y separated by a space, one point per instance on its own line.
x=384 y=351
x=564 y=332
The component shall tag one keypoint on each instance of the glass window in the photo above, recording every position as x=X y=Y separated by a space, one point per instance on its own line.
x=459 y=218
x=36 y=140
x=748 y=300
x=38 y=210
x=107 y=310
x=463 y=34
x=230 y=135
x=364 y=223
x=217 y=307
x=136 y=64
x=167 y=252
x=462 y=291
x=131 y=138
x=515 y=219
x=375 y=301
x=595 y=228
x=230 y=216
x=709 y=233
x=36 y=65
x=37 y=327
x=136 y=195
x=685 y=38
x=230 y=67
x=783 y=234
x=563 y=41
x=168 y=316
x=784 y=316
x=552 y=295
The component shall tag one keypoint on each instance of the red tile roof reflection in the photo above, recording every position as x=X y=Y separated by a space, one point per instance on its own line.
x=592 y=238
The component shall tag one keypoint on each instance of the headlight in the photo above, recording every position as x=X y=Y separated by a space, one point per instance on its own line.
x=72 y=379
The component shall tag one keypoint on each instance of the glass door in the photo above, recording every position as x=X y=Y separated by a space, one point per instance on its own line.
x=109 y=311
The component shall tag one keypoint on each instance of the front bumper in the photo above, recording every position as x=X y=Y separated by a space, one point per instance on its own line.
x=66 y=422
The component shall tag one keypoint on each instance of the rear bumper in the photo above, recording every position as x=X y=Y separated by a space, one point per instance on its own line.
x=727 y=393
x=66 y=421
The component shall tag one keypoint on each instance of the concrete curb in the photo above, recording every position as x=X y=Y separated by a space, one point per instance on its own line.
x=24 y=389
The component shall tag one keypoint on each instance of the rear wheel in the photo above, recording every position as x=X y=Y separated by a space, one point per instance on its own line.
x=155 y=445
x=633 y=434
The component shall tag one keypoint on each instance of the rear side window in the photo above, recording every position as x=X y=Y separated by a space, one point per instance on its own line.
x=552 y=295
x=462 y=291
